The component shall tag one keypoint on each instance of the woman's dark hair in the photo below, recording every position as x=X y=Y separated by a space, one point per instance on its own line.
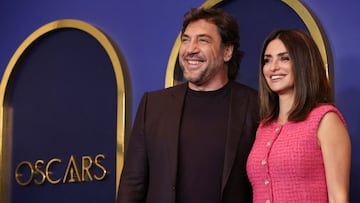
x=228 y=29
x=311 y=84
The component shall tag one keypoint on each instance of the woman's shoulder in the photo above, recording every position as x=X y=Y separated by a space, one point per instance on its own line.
x=321 y=110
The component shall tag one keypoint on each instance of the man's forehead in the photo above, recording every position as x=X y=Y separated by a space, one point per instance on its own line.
x=202 y=28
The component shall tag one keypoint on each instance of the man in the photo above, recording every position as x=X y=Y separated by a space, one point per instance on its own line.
x=190 y=142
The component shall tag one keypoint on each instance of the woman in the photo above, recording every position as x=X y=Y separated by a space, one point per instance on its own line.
x=302 y=149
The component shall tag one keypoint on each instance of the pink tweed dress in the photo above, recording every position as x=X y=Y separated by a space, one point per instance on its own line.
x=286 y=164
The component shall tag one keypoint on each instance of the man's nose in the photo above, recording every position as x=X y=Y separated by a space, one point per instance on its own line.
x=192 y=47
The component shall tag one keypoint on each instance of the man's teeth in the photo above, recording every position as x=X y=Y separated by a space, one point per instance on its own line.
x=193 y=62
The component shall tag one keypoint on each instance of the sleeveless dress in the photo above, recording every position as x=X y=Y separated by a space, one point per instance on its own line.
x=286 y=163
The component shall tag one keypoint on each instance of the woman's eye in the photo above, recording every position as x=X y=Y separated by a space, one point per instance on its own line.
x=285 y=58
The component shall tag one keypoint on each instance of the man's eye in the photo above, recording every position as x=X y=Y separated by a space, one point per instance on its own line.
x=184 y=39
x=204 y=40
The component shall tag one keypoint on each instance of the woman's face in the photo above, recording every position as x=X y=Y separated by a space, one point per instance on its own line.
x=277 y=69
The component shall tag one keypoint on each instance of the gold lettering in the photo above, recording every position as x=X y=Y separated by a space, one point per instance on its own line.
x=48 y=172
x=37 y=167
x=72 y=170
x=98 y=164
x=18 y=175
x=26 y=172
x=86 y=165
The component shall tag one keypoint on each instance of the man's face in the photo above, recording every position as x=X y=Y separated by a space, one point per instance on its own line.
x=202 y=56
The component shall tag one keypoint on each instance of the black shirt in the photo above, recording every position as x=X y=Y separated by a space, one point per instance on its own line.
x=202 y=146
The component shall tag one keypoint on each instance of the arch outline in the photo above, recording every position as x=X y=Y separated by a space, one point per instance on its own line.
x=114 y=56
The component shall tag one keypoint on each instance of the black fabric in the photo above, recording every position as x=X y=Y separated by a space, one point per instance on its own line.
x=202 y=146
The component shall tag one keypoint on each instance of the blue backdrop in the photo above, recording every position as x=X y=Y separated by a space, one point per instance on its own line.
x=145 y=32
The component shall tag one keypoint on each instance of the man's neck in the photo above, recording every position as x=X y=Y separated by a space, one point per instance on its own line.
x=214 y=85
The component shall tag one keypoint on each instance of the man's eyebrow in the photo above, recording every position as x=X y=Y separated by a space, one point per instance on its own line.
x=199 y=35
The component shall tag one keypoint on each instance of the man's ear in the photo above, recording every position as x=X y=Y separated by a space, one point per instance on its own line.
x=228 y=51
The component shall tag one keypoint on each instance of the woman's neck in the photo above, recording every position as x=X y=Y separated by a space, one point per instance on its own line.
x=285 y=104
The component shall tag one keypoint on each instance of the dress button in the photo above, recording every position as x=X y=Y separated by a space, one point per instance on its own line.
x=263 y=162
x=268 y=143
x=277 y=129
x=266 y=182
x=267 y=201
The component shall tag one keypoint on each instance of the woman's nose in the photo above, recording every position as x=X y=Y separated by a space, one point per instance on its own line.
x=274 y=66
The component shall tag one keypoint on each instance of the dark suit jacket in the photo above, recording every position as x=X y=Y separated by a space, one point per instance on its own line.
x=150 y=166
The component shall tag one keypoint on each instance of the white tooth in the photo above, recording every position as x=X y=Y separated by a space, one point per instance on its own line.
x=194 y=62
x=276 y=77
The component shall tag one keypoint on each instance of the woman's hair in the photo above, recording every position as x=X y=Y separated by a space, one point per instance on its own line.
x=311 y=85
x=228 y=29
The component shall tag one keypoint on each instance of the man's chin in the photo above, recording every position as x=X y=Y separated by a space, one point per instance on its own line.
x=194 y=80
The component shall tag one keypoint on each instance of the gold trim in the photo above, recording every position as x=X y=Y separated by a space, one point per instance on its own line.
x=169 y=77
x=114 y=57
x=312 y=26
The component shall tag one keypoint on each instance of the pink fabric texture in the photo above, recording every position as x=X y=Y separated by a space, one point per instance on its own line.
x=286 y=164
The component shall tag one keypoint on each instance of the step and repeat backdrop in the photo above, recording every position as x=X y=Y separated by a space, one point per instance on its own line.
x=67 y=105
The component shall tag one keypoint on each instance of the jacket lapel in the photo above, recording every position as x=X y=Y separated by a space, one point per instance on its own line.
x=172 y=130
x=237 y=113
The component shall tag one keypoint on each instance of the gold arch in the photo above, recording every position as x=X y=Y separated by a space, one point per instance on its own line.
x=312 y=26
x=297 y=6
x=114 y=57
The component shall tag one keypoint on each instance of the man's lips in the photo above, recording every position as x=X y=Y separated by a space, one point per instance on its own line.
x=193 y=62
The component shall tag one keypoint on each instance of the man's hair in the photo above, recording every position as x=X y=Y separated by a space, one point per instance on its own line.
x=228 y=29
x=311 y=84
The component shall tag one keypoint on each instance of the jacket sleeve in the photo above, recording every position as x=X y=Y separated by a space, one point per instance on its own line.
x=134 y=177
